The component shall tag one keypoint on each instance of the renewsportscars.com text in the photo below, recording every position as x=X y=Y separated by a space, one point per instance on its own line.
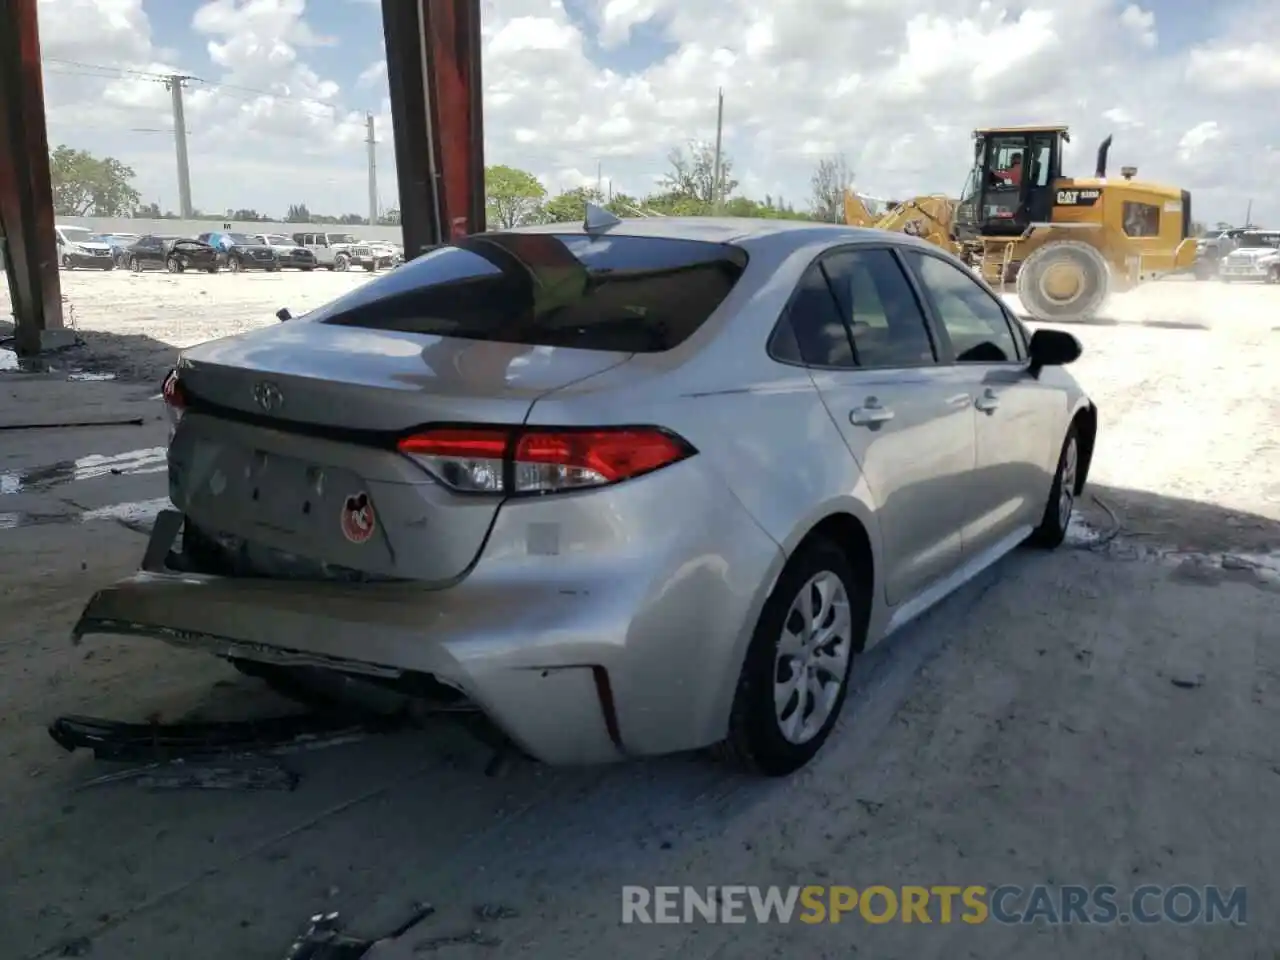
x=973 y=904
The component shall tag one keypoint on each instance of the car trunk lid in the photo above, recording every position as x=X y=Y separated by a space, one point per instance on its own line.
x=286 y=461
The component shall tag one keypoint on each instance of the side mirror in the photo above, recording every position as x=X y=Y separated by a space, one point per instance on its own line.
x=1053 y=348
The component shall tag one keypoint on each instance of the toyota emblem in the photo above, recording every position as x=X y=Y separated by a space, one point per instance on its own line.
x=268 y=396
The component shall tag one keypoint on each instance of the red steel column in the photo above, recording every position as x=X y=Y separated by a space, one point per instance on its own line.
x=26 y=195
x=433 y=69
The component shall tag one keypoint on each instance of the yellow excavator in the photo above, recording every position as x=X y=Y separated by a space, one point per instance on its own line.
x=1065 y=243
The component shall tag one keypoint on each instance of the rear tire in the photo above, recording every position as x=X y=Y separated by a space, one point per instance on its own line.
x=173 y=265
x=1273 y=275
x=234 y=265
x=761 y=737
x=135 y=265
x=214 y=269
x=1072 y=259
x=1062 y=496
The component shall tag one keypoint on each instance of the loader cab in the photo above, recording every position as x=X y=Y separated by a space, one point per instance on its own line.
x=1011 y=183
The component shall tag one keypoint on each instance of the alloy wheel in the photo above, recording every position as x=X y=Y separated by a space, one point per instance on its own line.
x=812 y=658
x=1067 y=482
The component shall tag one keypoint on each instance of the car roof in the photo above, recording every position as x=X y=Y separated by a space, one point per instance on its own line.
x=740 y=231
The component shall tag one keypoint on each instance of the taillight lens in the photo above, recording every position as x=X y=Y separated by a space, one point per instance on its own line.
x=175 y=399
x=523 y=461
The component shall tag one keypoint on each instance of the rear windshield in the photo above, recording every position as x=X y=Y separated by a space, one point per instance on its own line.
x=631 y=294
x=1260 y=240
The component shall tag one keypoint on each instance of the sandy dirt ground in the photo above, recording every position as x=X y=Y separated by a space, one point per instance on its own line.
x=1103 y=714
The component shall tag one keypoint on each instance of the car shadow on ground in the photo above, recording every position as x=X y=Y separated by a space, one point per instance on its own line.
x=1104 y=321
x=1168 y=525
x=127 y=357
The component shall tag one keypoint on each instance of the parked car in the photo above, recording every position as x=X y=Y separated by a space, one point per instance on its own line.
x=385 y=255
x=1211 y=247
x=81 y=247
x=639 y=489
x=1256 y=257
x=119 y=244
x=175 y=254
x=289 y=254
x=337 y=251
x=240 y=251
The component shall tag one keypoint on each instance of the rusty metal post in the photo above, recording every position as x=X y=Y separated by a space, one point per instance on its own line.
x=433 y=69
x=26 y=194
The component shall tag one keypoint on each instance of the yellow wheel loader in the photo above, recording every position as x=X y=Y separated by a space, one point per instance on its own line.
x=1066 y=243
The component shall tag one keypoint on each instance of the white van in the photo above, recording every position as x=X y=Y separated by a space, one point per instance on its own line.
x=81 y=247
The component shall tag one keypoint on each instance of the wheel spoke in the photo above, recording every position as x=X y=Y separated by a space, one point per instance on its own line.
x=791 y=645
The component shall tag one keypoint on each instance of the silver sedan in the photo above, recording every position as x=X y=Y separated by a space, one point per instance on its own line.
x=624 y=488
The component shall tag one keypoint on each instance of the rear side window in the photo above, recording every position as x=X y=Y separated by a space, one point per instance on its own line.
x=884 y=317
x=817 y=334
x=629 y=294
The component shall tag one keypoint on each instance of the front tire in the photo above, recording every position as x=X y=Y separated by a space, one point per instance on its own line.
x=1062 y=496
x=1273 y=275
x=796 y=673
x=1064 y=280
x=66 y=263
x=342 y=263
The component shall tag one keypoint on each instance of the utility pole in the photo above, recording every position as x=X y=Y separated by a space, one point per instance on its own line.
x=599 y=179
x=1248 y=215
x=716 y=192
x=175 y=83
x=373 y=170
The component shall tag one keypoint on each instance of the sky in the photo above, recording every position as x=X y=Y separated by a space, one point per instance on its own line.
x=580 y=88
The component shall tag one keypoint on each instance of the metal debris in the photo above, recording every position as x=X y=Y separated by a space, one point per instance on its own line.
x=178 y=774
x=474 y=937
x=324 y=940
x=160 y=742
x=495 y=911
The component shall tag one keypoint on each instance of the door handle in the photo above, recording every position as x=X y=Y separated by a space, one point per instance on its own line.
x=870 y=413
x=988 y=402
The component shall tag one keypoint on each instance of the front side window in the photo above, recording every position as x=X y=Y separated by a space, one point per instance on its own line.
x=633 y=294
x=974 y=322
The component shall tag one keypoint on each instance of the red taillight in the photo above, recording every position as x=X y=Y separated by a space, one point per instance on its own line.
x=175 y=400
x=489 y=460
x=172 y=392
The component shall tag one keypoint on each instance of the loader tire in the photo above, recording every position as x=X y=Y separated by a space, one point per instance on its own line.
x=1065 y=280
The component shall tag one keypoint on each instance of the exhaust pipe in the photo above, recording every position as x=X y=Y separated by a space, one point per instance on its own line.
x=1103 y=149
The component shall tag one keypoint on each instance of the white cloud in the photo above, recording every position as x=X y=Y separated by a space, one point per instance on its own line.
x=896 y=85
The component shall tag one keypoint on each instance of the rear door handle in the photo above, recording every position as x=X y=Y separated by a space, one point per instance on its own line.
x=870 y=413
x=988 y=402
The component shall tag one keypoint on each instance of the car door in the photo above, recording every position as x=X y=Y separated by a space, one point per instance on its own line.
x=1016 y=416
x=145 y=251
x=865 y=337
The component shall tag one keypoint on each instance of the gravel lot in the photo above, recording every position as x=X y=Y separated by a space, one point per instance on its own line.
x=1104 y=714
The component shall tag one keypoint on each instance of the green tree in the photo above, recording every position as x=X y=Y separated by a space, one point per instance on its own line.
x=298 y=213
x=831 y=178
x=84 y=184
x=571 y=205
x=692 y=173
x=511 y=197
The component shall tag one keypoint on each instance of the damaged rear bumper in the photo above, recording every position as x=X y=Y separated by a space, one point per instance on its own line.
x=571 y=676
